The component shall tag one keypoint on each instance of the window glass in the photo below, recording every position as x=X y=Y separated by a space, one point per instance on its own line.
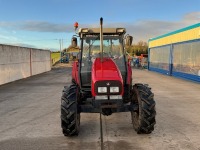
x=159 y=57
x=186 y=58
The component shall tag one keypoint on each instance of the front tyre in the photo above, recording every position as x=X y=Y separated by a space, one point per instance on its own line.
x=143 y=118
x=70 y=117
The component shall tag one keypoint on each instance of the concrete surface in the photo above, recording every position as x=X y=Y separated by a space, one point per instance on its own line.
x=20 y=62
x=30 y=116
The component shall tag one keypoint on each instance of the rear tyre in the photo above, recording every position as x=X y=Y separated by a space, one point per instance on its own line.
x=70 y=117
x=143 y=118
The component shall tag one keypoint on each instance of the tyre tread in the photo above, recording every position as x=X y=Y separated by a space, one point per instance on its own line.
x=147 y=105
x=68 y=111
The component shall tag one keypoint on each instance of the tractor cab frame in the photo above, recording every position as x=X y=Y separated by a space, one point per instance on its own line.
x=113 y=47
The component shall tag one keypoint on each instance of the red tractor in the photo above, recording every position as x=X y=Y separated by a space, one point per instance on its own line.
x=102 y=82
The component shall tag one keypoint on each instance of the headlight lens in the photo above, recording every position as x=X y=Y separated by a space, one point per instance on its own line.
x=102 y=89
x=114 y=89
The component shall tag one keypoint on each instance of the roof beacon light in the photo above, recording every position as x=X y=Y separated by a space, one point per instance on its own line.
x=76 y=25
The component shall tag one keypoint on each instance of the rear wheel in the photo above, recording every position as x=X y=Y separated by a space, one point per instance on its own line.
x=70 y=117
x=143 y=118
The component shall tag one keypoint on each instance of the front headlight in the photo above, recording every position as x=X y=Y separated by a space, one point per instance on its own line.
x=114 y=89
x=102 y=89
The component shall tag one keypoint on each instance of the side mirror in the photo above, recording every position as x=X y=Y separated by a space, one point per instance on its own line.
x=129 y=40
x=74 y=42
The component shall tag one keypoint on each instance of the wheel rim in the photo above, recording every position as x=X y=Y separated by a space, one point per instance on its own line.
x=135 y=114
x=135 y=119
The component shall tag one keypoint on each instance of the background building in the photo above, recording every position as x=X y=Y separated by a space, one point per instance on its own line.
x=177 y=53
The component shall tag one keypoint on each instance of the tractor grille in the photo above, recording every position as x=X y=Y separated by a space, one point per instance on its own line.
x=108 y=84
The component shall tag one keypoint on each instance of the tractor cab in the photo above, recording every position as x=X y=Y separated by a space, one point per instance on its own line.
x=113 y=48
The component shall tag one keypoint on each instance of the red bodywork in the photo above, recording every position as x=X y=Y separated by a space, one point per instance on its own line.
x=105 y=70
x=129 y=74
x=102 y=71
x=75 y=72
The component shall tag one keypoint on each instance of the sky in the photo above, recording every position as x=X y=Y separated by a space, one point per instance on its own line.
x=42 y=23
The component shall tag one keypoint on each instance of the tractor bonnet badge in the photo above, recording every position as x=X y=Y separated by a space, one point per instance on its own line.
x=107 y=83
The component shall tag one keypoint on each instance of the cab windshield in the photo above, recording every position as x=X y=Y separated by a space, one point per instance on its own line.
x=112 y=47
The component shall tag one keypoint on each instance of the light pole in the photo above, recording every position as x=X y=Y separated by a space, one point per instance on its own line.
x=60 y=49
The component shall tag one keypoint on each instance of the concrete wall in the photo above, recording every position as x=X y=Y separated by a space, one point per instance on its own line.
x=20 y=62
x=41 y=61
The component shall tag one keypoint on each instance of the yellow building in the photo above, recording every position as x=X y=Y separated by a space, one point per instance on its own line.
x=177 y=53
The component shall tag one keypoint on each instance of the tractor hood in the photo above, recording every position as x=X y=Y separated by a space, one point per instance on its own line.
x=105 y=70
x=105 y=73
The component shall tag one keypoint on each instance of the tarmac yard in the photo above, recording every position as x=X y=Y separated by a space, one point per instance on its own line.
x=30 y=116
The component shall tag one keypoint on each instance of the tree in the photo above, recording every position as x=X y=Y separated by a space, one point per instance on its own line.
x=137 y=49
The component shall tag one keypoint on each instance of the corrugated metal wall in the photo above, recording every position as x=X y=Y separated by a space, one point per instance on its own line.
x=177 y=53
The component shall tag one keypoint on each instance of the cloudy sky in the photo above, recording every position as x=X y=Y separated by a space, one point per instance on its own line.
x=41 y=23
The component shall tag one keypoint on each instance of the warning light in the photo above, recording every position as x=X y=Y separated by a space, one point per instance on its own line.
x=76 y=25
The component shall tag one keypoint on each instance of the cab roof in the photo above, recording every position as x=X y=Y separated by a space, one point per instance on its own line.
x=105 y=31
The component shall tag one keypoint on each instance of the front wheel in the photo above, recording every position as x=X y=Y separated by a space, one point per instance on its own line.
x=143 y=118
x=70 y=117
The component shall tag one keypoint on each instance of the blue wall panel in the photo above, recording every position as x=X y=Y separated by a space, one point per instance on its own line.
x=186 y=76
x=166 y=72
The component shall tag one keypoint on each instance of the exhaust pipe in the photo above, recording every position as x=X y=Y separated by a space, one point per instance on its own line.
x=101 y=38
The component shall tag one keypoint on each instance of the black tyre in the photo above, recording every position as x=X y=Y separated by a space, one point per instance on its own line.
x=70 y=117
x=143 y=118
